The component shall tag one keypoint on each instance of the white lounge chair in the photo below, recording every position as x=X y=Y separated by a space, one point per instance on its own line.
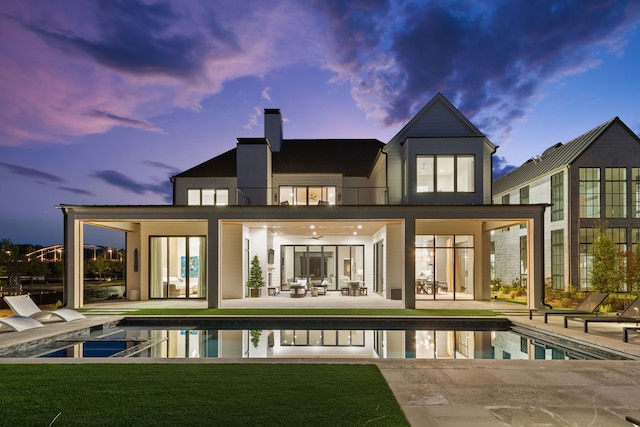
x=18 y=323
x=23 y=305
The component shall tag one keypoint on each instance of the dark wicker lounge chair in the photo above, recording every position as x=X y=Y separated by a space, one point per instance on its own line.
x=630 y=315
x=588 y=305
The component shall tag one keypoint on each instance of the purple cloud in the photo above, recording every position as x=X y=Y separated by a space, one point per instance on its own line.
x=125 y=121
x=163 y=188
x=78 y=191
x=74 y=69
x=39 y=176
x=172 y=169
x=120 y=180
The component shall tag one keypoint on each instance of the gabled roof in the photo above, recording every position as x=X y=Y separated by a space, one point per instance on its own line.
x=438 y=118
x=349 y=157
x=553 y=158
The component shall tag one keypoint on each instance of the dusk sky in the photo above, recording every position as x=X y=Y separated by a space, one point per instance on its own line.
x=102 y=101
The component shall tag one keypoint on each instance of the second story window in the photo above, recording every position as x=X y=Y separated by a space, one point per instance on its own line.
x=635 y=192
x=589 y=192
x=445 y=173
x=616 y=192
x=557 y=196
x=524 y=195
x=524 y=200
x=307 y=195
x=207 y=197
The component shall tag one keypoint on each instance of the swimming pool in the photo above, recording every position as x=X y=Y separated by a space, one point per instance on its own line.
x=281 y=338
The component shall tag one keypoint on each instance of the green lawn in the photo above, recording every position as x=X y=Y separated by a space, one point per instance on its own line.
x=307 y=312
x=197 y=395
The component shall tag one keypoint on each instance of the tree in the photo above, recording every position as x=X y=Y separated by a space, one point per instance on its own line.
x=13 y=264
x=605 y=266
x=256 y=281
x=98 y=266
x=630 y=269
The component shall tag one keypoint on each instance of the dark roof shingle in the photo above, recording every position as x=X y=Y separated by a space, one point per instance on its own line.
x=349 y=157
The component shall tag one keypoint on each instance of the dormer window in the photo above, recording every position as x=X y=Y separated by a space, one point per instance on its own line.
x=445 y=173
x=207 y=196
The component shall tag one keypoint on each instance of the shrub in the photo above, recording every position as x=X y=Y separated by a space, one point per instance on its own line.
x=607 y=308
x=566 y=302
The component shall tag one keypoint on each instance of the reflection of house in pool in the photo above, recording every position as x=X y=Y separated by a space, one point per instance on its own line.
x=271 y=342
x=333 y=211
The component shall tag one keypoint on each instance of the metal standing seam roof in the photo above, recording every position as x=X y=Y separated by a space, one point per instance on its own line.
x=552 y=158
x=349 y=157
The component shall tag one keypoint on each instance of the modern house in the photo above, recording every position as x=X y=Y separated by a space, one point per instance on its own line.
x=410 y=219
x=591 y=181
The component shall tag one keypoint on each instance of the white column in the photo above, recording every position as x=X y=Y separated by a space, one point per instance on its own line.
x=73 y=260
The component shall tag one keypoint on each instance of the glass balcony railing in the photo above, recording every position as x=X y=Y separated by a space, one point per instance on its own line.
x=343 y=196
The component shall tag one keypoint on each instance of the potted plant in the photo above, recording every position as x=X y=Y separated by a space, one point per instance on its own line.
x=256 y=281
x=255 y=336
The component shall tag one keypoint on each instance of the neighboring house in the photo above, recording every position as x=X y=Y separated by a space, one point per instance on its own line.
x=410 y=219
x=590 y=181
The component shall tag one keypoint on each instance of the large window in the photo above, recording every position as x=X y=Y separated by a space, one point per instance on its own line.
x=444 y=265
x=616 y=192
x=337 y=264
x=524 y=195
x=207 y=197
x=635 y=240
x=587 y=237
x=635 y=192
x=307 y=195
x=589 y=192
x=557 y=196
x=445 y=173
x=524 y=200
x=557 y=259
x=177 y=268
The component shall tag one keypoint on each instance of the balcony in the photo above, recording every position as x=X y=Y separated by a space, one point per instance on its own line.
x=343 y=196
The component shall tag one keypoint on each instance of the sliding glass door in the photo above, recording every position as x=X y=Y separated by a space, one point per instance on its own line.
x=445 y=266
x=177 y=267
x=336 y=264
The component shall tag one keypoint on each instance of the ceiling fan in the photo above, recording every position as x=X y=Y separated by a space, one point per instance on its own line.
x=314 y=237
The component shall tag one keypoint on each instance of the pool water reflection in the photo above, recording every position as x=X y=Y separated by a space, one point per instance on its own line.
x=166 y=342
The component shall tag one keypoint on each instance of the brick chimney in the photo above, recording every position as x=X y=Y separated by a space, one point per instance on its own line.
x=273 y=128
